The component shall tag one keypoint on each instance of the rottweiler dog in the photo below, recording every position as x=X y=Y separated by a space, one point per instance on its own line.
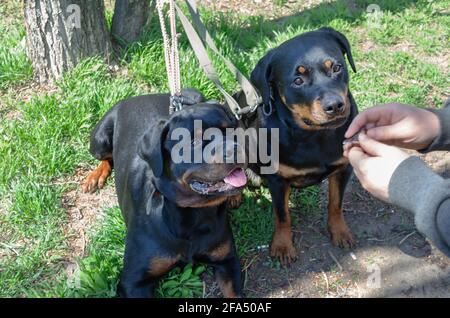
x=174 y=210
x=304 y=84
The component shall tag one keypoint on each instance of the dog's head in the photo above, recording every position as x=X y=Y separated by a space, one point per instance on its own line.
x=193 y=161
x=306 y=79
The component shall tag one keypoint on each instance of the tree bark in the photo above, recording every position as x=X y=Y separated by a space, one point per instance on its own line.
x=130 y=17
x=60 y=33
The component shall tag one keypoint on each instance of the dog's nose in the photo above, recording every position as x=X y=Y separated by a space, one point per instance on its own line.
x=333 y=105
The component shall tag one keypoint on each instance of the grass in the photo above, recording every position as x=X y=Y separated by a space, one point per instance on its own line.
x=48 y=139
x=15 y=67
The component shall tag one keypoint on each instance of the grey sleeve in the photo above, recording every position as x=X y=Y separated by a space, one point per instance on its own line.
x=442 y=141
x=415 y=187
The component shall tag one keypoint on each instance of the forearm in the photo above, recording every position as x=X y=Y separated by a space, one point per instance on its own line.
x=442 y=141
x=415 y=187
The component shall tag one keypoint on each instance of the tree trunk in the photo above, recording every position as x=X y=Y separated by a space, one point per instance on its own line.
x=130 y=17
x=60 y=33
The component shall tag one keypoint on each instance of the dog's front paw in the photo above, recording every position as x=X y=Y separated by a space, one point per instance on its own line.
x=97 y=178
x=282 y=248
x=341 y=235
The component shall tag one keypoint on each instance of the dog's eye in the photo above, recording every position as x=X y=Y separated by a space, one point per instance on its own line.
x=298 y=81
x=337 y=68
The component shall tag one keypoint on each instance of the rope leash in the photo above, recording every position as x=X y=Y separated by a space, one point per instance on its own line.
x=171 y=55
x=197 y=39
x=252 y=97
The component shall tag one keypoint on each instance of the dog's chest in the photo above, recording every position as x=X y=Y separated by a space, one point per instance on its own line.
x=200 y=229
x=303 y=176
x=310 y=159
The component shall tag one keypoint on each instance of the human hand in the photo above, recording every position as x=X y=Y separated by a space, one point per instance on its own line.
x=374 y=164
x=398 y=125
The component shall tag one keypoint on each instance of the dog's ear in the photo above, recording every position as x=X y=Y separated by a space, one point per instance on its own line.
x=261 y=76
x=343 y=43
x=150 y=148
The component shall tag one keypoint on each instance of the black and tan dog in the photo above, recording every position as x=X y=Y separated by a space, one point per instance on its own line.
x=174 y=212
x=305 y=87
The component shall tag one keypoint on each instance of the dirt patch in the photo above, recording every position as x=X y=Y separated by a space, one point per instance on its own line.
x=441 y=60
x=439 y=161
x=367 y=46
x=27 y=91
x=84 y=210
x=11 y=12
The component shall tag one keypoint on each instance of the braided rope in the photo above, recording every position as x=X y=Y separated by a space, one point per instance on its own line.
x=171 y=55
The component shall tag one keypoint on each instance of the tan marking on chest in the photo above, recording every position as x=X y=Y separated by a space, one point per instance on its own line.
x=291 y=172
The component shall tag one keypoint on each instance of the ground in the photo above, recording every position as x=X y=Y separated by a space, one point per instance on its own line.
x=56 y=241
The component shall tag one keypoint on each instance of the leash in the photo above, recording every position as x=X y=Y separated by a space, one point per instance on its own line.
x=253 y=99
x=171 y=55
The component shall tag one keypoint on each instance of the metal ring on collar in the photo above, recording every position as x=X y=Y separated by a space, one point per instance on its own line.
x=268 y=111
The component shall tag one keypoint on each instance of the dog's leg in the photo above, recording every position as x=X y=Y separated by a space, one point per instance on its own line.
x=101 y=148
x=282 y=247
x=340 y=234
x=143 y=266
x=97 y=178
x=139 y=277
x=228 y=276
x=227 y=269
x=137 y=289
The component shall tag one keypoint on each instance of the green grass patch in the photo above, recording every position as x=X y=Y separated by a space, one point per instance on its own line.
x=49 y=141
x=253 y=221
x=15 y=67
x=99 y=271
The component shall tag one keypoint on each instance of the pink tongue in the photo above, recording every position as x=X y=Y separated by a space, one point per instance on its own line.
x=236 y=178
